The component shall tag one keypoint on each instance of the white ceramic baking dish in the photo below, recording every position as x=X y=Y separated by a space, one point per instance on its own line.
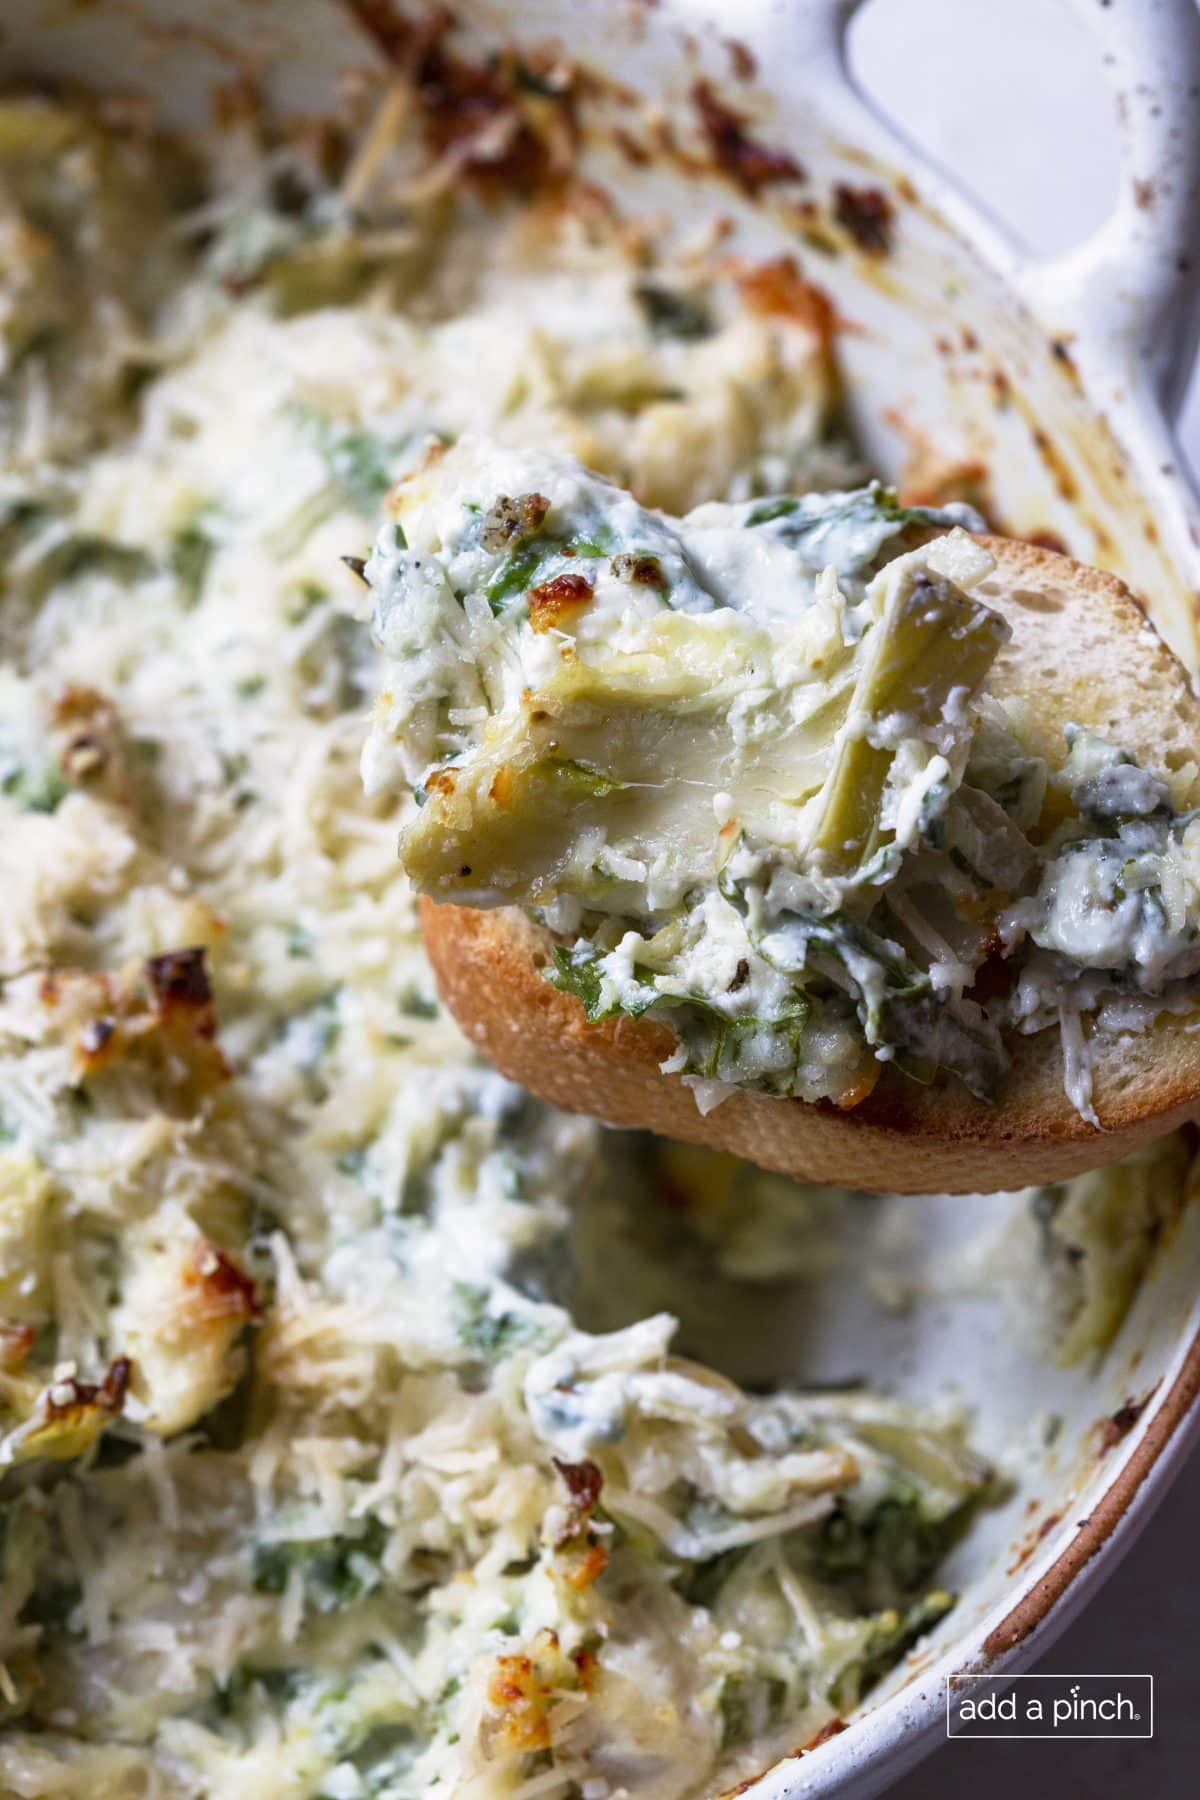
x=1055 y=379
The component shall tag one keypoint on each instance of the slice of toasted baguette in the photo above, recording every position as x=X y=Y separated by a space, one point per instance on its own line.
x=1081 y=650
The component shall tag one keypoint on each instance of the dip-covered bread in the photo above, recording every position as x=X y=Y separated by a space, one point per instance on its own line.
x=795 y=779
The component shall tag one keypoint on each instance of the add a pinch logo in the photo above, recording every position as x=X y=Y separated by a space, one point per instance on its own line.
x=1051 y=1706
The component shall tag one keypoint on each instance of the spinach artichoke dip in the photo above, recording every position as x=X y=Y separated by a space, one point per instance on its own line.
x=745 y=766
x=337 y=1459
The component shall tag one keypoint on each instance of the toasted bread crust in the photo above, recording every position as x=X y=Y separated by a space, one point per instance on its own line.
x=1082 y=644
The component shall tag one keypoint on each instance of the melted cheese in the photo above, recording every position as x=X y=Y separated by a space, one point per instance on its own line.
x=295 y=1293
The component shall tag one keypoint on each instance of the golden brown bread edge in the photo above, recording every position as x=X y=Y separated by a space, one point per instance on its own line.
x=1081 y=644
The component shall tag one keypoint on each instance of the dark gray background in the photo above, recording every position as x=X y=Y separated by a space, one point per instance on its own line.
x=1145 y=1620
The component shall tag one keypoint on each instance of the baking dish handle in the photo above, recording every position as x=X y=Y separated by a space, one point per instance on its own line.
x=1131 y=288
x=1127 y=296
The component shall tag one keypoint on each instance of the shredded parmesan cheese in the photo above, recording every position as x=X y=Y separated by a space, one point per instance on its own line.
x=329 y=1487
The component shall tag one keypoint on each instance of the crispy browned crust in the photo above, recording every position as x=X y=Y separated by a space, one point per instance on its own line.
x=1082 y=644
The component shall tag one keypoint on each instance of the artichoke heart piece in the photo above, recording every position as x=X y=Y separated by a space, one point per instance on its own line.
x=64 y=1419
x=1098 y=1234
x=924 y=662
x=605 y=778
